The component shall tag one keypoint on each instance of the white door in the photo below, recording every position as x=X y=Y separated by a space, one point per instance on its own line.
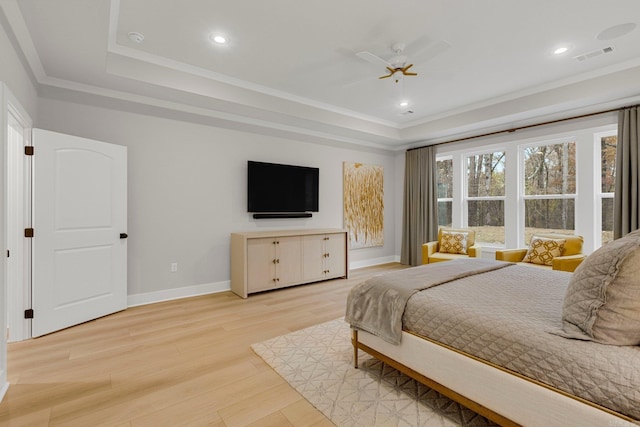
x=80 y=224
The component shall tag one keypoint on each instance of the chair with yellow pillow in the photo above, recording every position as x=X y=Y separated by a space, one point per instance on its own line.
x=452 y=243
x=558 y=251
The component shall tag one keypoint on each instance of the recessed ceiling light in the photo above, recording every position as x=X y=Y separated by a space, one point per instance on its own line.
x=218 y=38
x=404 y=103
x=135 y=37
x=560 y=50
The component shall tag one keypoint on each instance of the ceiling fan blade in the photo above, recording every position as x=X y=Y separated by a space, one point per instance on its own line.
x=419 y=43
x=385 y=77
x=407 y=68
x=429 y=52
x=373 y=59
x=410 y=74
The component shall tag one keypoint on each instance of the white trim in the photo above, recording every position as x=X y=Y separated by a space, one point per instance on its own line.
x=354 y=265
x=3 y=390
x=116 y=49
x=530 y=91
x=19 y=27
x=200 y=111
x=18 y=218
x=212 y=288
x=177 y=293
x=3 y=234
x=19 y=291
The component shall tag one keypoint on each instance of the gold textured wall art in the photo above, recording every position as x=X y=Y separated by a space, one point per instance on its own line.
x=364 y=204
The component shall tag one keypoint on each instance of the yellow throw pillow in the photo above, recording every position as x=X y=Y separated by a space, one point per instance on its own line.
x=542 y=250
x=453 y=242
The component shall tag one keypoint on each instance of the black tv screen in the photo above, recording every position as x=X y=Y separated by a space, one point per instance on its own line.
x=275 y=188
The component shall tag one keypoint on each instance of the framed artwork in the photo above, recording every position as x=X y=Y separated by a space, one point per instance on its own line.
x=363 y=204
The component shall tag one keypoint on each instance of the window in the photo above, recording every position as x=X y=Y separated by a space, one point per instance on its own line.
x=608 y=146
x=561 y=182
x=549 y=188
x=485 y=196
x=445 y=192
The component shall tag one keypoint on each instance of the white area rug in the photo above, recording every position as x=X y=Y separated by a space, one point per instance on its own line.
x=318 y=363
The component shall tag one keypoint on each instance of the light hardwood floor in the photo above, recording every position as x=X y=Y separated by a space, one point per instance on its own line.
x=178 y=363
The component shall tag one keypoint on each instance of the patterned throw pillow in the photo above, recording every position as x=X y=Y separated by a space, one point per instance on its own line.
x=453 y=242
x=542 y=250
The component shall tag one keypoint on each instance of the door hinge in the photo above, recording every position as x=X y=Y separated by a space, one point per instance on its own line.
x=28 y=150
x=28 y=313
x=8 y=253
x=28 y=232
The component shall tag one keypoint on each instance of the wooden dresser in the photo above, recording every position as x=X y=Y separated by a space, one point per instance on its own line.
x=266 y=260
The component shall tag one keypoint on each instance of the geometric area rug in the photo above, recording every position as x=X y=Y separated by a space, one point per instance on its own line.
x=318 y=363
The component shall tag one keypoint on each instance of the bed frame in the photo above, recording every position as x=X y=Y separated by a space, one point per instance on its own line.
x=504 y=397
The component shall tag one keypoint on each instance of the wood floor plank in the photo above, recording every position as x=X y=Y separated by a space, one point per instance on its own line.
x=182 y=362
x=276 y=419
x=253 y=408
x=302 y=414
x=33 y=418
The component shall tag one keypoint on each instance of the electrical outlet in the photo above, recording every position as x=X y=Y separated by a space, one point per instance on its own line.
x=174 y=267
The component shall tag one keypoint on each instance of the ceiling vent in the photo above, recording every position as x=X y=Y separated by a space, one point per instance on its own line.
x=593 y=53
x=407 y=112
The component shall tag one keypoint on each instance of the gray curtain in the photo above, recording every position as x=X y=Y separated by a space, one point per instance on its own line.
x=420 y=205
x=626 y=202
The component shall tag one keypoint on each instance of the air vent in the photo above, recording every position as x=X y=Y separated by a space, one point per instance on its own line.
x=404 y=113
x=593 y=53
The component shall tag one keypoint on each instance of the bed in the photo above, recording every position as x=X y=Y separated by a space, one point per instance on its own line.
x=494 y=336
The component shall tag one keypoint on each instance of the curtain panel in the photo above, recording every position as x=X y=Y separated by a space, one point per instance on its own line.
x=626 y=207
x=420 y=204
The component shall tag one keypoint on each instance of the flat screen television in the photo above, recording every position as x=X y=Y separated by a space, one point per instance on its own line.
x=275 y=188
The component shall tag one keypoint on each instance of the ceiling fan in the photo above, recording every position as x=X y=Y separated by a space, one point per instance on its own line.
x=397 y=67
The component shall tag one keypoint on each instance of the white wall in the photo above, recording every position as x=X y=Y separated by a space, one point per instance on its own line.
x=14 y=75
x=187 y=190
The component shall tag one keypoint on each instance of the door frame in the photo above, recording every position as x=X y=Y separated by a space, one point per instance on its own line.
x=18 y=202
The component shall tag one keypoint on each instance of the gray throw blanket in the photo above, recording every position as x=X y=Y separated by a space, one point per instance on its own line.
x=377 y=305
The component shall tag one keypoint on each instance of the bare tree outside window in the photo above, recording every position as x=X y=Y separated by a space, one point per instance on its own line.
x=608 y=147
x=445 y=192
x=549 y=188
x=485 y=196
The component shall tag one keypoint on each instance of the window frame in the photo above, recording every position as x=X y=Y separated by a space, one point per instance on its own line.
x=523 y=197
x=446 y=199
x=597 y=141
x=585 y=133
x=465 y=190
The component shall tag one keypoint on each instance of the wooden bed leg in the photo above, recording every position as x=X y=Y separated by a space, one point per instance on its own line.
x=354 y=340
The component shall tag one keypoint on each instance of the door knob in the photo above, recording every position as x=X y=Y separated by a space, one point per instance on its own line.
x=123 y=235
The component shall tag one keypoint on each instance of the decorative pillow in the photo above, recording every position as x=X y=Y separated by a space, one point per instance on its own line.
x=542 y=250
x=453 y=242
x=602 y=302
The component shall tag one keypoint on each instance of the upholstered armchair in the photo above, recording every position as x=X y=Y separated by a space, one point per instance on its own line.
x=452 y=243
x=557 y=251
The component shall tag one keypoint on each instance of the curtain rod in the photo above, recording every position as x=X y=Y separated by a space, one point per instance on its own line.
x=524 y=127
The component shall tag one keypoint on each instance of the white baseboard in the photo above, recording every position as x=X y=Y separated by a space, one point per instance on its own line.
x=177 y=293
x=212 y=288
x=3 y=391
x=354 y=265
